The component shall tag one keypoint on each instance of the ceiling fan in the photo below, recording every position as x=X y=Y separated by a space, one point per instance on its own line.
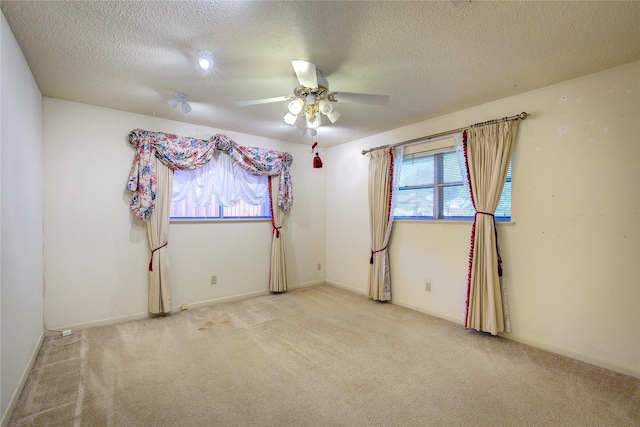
x=312 y=98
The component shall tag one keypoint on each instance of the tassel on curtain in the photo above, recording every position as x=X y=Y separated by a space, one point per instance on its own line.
x=487 y=152
x=157 y=155
x=383 y=184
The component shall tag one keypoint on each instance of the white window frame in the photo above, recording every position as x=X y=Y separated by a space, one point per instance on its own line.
x=438 y=148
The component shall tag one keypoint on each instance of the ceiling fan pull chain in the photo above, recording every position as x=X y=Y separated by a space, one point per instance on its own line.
x=317 y=161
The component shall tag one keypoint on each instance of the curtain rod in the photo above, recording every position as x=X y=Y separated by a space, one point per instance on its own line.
x=521 y=116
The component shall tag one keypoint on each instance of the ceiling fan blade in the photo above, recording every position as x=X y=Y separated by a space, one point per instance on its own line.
x=361 y=98
x=261 y=101
x=306 y=72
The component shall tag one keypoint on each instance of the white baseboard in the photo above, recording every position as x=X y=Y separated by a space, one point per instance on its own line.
x=626 y=370
x=348 y=288
x=422 y=310
x=101 y=322
x=306 y=285
x=144 y=315
x=23 y=380
x=222 y=299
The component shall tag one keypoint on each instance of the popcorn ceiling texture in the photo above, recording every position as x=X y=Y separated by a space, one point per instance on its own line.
x=431 y=58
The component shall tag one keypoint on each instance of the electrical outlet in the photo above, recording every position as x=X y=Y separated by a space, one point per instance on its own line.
x=214 y=280
x=319 y=266
x=427 y=286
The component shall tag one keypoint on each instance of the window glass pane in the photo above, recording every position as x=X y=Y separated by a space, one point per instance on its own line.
x=453 y=200
x=456 y=202
x=186 y=209
x=415 y=202
x=243 y=209
x=451 y=168
x=504 y=205
x=416 y=170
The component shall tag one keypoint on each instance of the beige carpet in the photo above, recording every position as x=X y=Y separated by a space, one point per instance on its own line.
x=319 y=356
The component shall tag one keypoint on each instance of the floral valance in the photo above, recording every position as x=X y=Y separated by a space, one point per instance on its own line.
x=186 y=153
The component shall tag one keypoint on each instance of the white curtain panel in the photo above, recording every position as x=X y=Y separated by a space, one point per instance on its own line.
x=223 y=179
x=487 y=153
x=158 y=234
x=383 y=177
x=278 y=272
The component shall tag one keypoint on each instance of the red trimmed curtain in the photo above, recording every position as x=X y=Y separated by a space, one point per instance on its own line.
x=487 y=152
x=157 y=155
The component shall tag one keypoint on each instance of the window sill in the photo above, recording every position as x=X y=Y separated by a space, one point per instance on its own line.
x=216 y=220
x=449 y=221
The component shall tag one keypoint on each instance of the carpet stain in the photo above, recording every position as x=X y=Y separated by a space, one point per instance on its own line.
x=206 y=325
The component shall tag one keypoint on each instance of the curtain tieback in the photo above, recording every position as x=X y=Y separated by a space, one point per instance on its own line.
x=277 y=231
x=375 y=252
x=495 y=230
x=154 y=251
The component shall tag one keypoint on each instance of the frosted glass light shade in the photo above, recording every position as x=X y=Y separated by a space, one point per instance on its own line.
x=295 y=106
x=325 y=106
x=205 y=62
x=313 y=122
x=333 y=116
x=290 y=119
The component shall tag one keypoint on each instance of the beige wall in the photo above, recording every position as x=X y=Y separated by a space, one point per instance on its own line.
x=96 y=251
x=572 y=257
x=21 y=220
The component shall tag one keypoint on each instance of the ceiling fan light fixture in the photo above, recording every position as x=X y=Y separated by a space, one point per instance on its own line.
x=325 y=107
x=290 y=119
x=177 y=99
x=313 y=122
x=333 y=116
x=296 y=106
x=205 y=62
x=311 y=98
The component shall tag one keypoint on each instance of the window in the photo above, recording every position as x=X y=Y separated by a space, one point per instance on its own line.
x=187 y=209
x=431 y=186
x=218 y=190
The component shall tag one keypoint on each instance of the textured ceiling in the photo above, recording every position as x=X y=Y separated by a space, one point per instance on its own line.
x=430 y=57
